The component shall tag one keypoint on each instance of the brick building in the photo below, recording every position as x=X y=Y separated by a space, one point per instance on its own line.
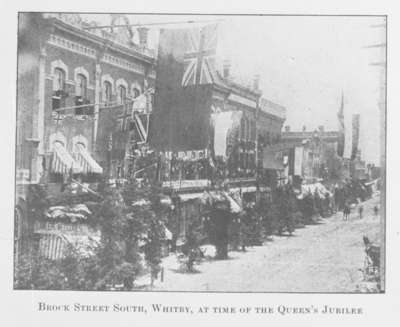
x=71 y=81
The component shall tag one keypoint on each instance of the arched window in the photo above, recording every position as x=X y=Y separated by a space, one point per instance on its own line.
x=59 y=79
x=59 y=94
x=107 y=87
x=81 y=85
x=121 y=93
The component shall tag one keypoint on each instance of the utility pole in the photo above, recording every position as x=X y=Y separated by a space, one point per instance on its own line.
x=382 y=65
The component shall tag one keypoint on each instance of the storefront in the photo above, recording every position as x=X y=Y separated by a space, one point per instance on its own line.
x=65 y=230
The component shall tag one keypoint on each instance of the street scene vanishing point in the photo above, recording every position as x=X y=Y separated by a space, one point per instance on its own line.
x=200 y=153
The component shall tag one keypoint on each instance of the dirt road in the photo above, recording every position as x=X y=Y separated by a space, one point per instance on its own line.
x=325 y=257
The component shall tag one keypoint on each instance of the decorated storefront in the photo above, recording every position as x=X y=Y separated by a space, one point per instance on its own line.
x=65 y=230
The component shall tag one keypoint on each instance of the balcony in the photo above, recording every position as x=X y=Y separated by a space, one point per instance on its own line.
x=83 y=106
x=58 y=99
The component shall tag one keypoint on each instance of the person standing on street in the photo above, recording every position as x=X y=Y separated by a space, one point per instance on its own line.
x=360 y=210
x=376 y=210
x=346 y=212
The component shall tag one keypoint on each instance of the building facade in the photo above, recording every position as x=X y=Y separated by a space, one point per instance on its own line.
x=311 y=155
x=72 y=80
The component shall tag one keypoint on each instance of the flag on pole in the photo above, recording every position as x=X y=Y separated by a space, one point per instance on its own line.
x=341 y=129
x=183 y=92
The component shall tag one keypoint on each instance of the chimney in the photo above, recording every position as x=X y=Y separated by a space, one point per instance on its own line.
x=287 y=128
x=143 y=34
x=256 y=82
x=226 y=68
x=304 y=128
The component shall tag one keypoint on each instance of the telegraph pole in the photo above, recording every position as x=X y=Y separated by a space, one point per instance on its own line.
x=382 y=65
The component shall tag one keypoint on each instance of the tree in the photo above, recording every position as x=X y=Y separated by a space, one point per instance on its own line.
x=148 y=215
x=119 y=261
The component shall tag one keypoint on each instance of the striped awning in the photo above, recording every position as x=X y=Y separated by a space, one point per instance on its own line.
x=52 y=246
x=86 y=162
x=63 y=162
x=55 y=246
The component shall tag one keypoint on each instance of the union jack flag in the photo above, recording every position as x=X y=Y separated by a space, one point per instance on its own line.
x=199 y=59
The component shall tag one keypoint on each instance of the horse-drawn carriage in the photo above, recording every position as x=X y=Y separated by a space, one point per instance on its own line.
x=371 y=269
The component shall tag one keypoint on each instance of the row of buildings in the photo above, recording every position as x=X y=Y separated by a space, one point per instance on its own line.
x=92 y=103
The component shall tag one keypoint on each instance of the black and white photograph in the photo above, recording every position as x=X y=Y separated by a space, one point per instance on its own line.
x=200 y=153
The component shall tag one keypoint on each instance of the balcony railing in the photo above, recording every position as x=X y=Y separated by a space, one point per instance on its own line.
x=84 y=107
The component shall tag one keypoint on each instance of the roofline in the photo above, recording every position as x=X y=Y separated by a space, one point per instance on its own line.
x=269 y=115
x=61 y=25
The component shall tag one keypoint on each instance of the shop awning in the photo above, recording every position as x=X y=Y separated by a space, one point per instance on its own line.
x=270 y=162
x=190 y=196
x=318 y=188
x=244 y=189
x=63 y=162
x=86 y=162
x=235 y=207
x=73 y=213
x=222 y=197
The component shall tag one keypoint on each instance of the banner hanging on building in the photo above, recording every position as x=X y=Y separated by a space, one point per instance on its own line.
x=185 y=73
x=225 y=123
x=355 y=135
x=298 y=161
x=341 y=129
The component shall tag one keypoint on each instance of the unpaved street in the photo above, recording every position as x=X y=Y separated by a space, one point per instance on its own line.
x=325 y=257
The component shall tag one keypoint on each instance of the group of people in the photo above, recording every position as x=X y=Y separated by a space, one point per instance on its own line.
x=360 y=209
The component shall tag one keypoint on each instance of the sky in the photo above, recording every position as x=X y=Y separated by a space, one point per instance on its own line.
x=305 y=63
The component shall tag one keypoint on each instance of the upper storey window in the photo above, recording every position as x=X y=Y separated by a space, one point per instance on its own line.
x=59 y=80
x=107 y=91
x=121 y=93
x=59 y=94
x=81 y=86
